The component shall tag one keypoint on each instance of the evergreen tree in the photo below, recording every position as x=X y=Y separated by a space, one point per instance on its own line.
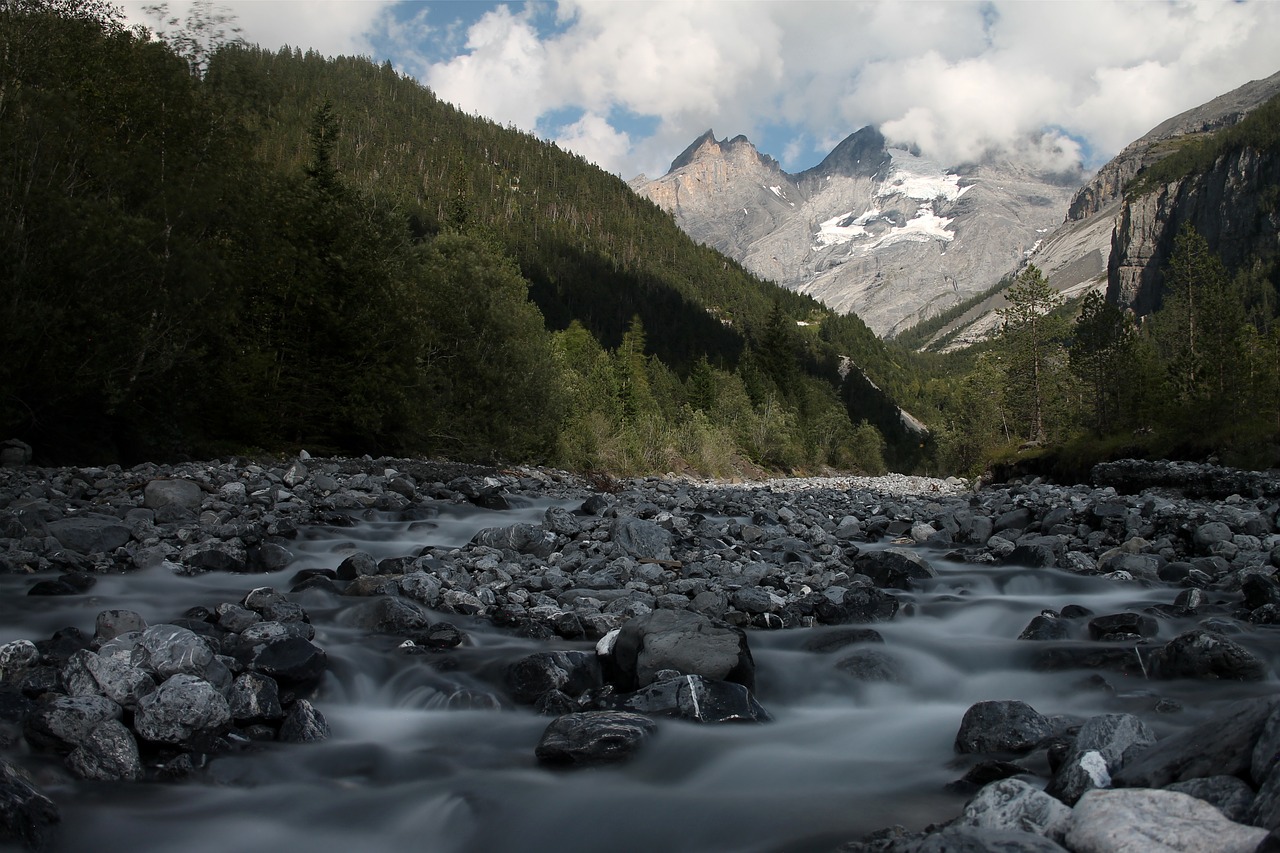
x=1031 y=343
x=1100 y=355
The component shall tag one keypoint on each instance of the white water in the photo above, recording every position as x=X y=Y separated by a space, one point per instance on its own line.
x=402 y=773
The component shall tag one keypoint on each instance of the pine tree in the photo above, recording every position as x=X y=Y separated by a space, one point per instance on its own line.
x=1030 y=341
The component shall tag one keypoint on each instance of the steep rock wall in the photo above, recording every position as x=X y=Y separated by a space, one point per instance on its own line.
x=1235 y=206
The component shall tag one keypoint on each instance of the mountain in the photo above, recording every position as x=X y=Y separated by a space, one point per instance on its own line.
x=879 y=231
x=1115 y=238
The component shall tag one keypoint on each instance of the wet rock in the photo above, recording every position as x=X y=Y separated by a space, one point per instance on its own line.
x=1137 y=624
x=180 y=493
x=303 y=724
x=254 y=697
x=643 y=540
x=1229 y=795
x=62 y=723
x=1222 y=745
x=110 y=624
x=1101 y=748
x=1046 y=626
x=571 y=672
x=27 y=816
x=1001 y=726
x=1013 y=804
x=387 y=615
x=593 y=737
x=90 y=674
x=687 y=642
x=168 y=650
x=17 y=658
x=895 y=568
x=841 y=606
x=356 y=565
x=180 y=708
x=1156 y=821
x=975 y=839
x=834 y=640
x=1204 y=654
x=108 y=754
x=694 y=698
x=522 y=538
x=284 y=656
x=872 y=664
x=90 y=533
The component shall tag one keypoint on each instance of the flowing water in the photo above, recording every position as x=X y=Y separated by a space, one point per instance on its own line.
x=403 y=771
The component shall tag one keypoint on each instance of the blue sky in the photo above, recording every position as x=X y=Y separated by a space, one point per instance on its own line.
x=629 y=84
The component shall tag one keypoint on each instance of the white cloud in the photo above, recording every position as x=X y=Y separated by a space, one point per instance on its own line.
x=797 y=76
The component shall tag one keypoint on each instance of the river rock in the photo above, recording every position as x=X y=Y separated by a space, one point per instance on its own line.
x=165 y=492
x=522 y=538
x=180 y=708
x=110 y=624
x=108 y=754
x=1229 y=795
x=90 y=533
x=694 y=698
x=1001 y=726
x=254 y=697
x=91 y=674
x=977 y=839
x=681 y=640
x=1013 y=804
x=593 y=737
x=1046 y=626
x=843 y=605
x=1222 y=745
x=572 y=672
x=1147 y=821
x=643 y=540
x=1138 y=624
x=17 y=658
x=1100 y=749
x=284 y=656
x=27 y=816
x=359 y=564
x=1205 y=654
x=894 y=568
x=168 y=650
x=390 y=615
x=65 y=722
x=870 y=664
x=303 y=724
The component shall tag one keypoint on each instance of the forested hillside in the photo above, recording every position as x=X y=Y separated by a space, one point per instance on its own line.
x=255 y=250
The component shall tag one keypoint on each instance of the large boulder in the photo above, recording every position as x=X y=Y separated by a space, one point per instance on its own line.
x=694 y=698
x=895 y=568
x=641 y=539
x=90 y=533
x=1015 y=805
x=687 y=642
x=572 y=672
x=109 y=754
x=1155 y=822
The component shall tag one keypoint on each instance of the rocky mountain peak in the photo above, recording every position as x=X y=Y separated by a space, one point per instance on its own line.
x=860 y=153
x=707 y=146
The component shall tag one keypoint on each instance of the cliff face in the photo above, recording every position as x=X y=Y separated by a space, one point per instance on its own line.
x=1235 y=206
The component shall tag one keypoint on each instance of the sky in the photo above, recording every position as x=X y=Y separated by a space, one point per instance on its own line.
x=629 y=84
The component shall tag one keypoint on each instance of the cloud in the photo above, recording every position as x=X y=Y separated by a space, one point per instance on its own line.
x=1041 y=81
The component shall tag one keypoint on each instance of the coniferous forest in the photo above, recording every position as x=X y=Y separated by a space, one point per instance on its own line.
x=210 y=248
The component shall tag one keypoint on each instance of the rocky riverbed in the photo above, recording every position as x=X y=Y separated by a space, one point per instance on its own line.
x=337 y=653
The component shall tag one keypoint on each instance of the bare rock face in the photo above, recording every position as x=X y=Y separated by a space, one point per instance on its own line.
x=884 y=233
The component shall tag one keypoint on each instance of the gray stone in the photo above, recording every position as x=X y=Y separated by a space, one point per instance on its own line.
x=359 y=564
x=977 y=839
x=109 y=754
x=1014 y=804
x=682 y=640
x=593 y=737
x=694 y=698
x=110 y=624
x=90 y=534
x=168 y=650
x=572 y=672
x=1001 y=726
x=182 y=493
x=896 y=568
x=387 y=615
x=1210 y=534
x=1148 y=821
x=64 y=722
x=1101 y=748
x=90 y=674
x=1205 y=654
x=180 y=708
x=1229 y=795
x=16 y=658
x=421 y=587
x=641 y=539
x=303 y=724
x=872 y=665
x=1222 y=745
x=27 y=816
x=254 y=696
x=522 y=538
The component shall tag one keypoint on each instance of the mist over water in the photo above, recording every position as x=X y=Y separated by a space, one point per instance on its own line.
x=404 y=769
